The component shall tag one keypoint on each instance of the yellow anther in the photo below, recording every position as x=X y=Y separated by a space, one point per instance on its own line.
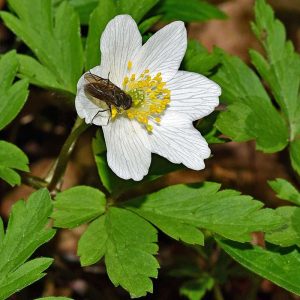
x=150 y=98
x=129 y=65
x=113 y=112
x=149 y=128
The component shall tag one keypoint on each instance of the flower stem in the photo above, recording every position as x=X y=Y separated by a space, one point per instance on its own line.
x=217 y=292
x=59 y=167
x=33 y=181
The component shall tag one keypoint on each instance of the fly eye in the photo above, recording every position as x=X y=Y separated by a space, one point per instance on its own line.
x=118 y=100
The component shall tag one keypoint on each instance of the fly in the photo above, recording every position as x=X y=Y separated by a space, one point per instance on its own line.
x=102 y=91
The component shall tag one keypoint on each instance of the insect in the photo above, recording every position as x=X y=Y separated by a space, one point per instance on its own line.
x=103 y=92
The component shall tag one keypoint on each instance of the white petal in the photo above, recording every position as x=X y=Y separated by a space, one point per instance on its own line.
x=128 y=148
x=177 y=140
x=119 y=43
x=85 y=108
x=193 y=94
x=163 y=52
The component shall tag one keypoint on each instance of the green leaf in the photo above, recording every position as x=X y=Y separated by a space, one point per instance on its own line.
x=281 y=70
x=12 y=96
x=92 y=244
x=279 y=265
x=104 y=12
x=294 y=150
x=128 y=243
x=37 y=73
x=136 y=8
x=250 y=114
x=78 y=205
x=25 y=275
x=148 y=23
x=289 y=233
x=55 y=42
x=26 y=231
x=203 y=207
x=196 y=289
x=285 y=190
x=11 y=157
x=84 y=9
x=189 y=10
x=198 y=59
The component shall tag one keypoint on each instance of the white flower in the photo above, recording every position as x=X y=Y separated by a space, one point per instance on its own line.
x=165 y=101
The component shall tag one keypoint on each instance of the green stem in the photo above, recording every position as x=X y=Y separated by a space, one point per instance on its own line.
x=217 y=292
x=33 y=181
x=59 y=167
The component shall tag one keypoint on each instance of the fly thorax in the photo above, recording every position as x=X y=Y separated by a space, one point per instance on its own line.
x=150 y=97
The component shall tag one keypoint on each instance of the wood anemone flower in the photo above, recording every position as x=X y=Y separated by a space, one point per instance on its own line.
x=165 y=101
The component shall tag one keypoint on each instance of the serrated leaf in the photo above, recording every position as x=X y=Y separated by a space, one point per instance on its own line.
x=26 y=231
x=285 y=190
x=92 y=244
x=289 y=233
x=128 y=243
x=78 y=205
x=250 y=114
x=189 y=10
x=198 y=59
x=196 y=289
x=55 y=42
x=37 y=73
x=25 y=275
x=281 y=71
x=12 y=158
x=279 y=265
x=12 y=96
x=203 y=208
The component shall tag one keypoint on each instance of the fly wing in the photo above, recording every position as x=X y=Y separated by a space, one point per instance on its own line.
x=99 y=111
x=92 y=78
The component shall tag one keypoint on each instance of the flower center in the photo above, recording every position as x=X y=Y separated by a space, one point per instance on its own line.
x=149 y=97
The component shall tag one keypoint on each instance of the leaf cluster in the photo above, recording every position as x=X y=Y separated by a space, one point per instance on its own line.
x=126 y=235
x=251 y=113
x=26 y=231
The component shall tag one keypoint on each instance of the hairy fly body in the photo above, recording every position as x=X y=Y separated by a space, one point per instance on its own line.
x=103 y=91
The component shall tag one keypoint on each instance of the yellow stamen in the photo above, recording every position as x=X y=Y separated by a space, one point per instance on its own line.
x=129 y=65
x=113 y=112
x=150 y=98
x=149 y=128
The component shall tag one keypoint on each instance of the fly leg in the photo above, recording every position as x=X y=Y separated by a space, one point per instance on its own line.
x=109 y=115
x=107 y=80
x=99 y=111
